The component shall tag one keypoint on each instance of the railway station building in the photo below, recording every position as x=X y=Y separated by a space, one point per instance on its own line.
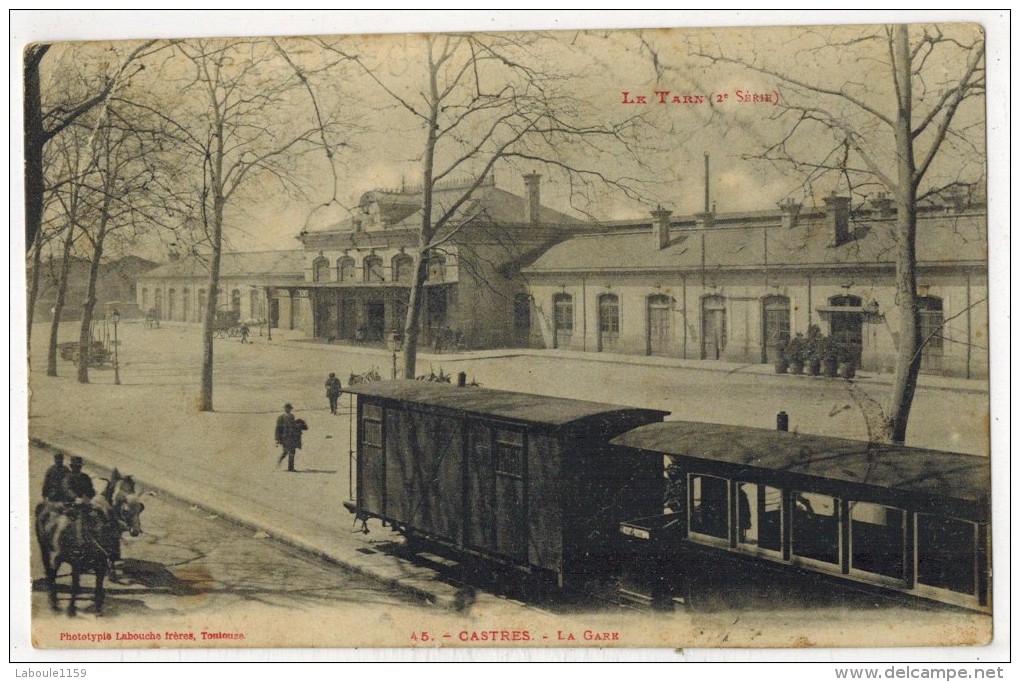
x=737 y=286
x=358 y=271
x=257 y=285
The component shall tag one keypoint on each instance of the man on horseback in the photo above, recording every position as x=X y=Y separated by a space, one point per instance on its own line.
x=77 y=485
x=53 y=482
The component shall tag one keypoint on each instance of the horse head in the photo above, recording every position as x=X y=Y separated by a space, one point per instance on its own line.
x=127 y=505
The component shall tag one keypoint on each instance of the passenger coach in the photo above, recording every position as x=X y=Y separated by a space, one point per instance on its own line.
x=903 y=519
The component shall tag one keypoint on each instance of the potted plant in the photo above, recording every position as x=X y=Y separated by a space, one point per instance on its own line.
x=794 y=352
x=813 y=350
x=847 y=361
x=830 y=358
x=782 y=364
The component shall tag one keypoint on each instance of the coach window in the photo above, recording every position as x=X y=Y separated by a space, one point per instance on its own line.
x=709 y=506
x=947 y=554
x=878 y=540
x=759 y=517
x=816 y=528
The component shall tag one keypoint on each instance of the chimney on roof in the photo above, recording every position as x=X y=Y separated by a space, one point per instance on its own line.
x=706 y=219
x=534 y=205
x=837 y=213
x=660 y=226
x=884 y=204
x=791 y=212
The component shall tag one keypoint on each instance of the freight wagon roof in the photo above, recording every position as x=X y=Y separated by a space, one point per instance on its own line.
x=525 y=407
x=913 y=470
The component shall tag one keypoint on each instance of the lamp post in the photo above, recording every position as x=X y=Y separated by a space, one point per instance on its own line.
x=269 y=312
x=394 y=347
x=115 y=318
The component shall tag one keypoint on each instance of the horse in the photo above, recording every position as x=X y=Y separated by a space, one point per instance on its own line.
x=125 y=511
x=78 y=535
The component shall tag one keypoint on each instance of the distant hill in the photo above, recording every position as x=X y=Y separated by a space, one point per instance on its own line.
x=116 y=283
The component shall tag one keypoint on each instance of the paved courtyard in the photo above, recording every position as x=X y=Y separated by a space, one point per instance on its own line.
x=225 y=460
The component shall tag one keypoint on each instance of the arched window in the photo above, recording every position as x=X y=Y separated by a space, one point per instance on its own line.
x=563 y=320
x=437 y=268
x=373 y=269
x=609 y=322
x=145 y=298
x=320 y=270
x=186 y=305
x=158 y=304
x=660 y=327
x=403 y=268
x=932 y=321
x=201 y=303
x=171 y=300
x=345 y=268
x=775 y=321
x=713 y=327
x=254 y=301
x=235 y=302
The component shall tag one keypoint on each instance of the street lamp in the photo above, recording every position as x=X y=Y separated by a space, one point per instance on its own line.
x=394 y=347
x=115 y=318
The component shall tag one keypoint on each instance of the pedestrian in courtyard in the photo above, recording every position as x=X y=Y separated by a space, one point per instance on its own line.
x=53 y=481
x=333 y=391
x=288 y=435
x=244 y=332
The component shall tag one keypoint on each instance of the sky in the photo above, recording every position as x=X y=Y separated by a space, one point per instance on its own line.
x=384 y=146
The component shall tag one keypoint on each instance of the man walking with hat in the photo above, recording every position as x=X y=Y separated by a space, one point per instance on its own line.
x=288 y=435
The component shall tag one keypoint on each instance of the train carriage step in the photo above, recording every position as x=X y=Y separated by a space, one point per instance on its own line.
x=437 y=560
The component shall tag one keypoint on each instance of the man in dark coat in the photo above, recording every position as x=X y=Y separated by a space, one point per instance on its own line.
x=77 y=486
x=332 y=391
x=53 y=482
x=288 y=435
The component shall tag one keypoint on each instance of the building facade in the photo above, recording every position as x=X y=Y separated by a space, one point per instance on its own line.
x=736 y=287
x=358 y=272
x=260 y=285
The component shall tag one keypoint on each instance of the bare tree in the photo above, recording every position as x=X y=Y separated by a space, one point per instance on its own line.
x=241 y=131
x=45 y=120
x=116 y=192
x=483 y=101
x=50 y=109
x=908 y=120
x=69 y=196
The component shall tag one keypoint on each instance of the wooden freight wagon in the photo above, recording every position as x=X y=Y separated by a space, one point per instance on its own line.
x=526 y=480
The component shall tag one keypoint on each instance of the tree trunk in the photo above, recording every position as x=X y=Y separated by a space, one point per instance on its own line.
x=58 y=305
x=35 y=139
x=908 y=356
x=412 y=323
x=208 y=324
x=85 y=335
x=33 y=294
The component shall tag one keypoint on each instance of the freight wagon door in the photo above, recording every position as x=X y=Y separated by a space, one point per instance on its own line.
x=510 y=517
x=371 y=467
x=495 y=491
x=423 y=472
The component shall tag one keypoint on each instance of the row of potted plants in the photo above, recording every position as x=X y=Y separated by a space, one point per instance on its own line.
x=817 y=354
